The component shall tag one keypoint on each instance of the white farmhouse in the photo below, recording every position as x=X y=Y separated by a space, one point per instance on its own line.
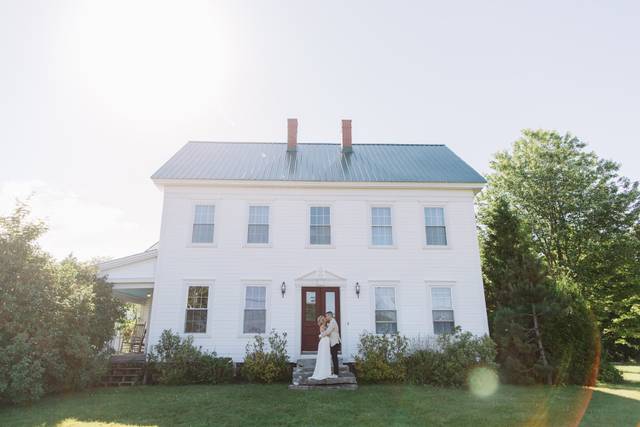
x=261 y=236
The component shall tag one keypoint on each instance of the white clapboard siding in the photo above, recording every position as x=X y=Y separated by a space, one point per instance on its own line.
x=229 y=264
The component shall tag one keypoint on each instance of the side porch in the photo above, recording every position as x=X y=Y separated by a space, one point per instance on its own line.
x=132 y=278
x=130 y=343
x=131 y=335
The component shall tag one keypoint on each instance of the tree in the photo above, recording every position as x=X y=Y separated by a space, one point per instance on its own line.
x=583 y=219
x=517 y=293
x=55 y=318
x=526 y=305
x=503 y=241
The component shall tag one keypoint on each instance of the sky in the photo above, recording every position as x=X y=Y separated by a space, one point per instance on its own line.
x=96 y=95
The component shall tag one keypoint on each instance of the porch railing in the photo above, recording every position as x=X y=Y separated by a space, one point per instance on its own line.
x=135 y=343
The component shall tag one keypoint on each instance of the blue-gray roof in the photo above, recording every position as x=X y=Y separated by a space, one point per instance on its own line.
x=317 y=162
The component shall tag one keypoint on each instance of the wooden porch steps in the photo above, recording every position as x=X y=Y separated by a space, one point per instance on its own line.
x=125 y=370
x=301 y=380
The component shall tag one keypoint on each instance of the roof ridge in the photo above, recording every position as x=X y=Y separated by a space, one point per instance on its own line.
x=316 y=143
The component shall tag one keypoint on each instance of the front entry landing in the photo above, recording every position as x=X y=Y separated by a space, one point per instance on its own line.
x=317 y=301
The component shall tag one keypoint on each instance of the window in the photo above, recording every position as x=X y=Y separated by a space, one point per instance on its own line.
x=255 y=313
x=436 y=233
x=310 y=307
x=197 y=307
x=442 y=311
x=203 y=224
x=381 y=229
x=330 y=302
x=320 y=221
x=258 y=225
x=386 y=316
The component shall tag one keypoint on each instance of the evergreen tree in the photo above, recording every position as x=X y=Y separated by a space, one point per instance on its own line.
x=518 y=295
x=526 y=307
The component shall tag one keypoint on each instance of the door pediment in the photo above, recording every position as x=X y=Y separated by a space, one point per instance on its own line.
x=320 y=277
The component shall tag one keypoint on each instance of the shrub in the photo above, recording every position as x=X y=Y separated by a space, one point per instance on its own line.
x=22 y=375
x=567 y=333
x=267 y=366
x=55 y=317
x=450 y=360
x=571 y=336
x=608 y=373
x=381 y=358
x=176 y=361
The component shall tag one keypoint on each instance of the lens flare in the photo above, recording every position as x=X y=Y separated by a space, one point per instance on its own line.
x=483 y=382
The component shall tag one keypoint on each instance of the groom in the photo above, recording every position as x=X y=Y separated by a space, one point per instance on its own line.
x=333 y=332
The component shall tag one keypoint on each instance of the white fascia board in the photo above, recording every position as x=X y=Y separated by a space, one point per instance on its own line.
x=132 y=283
x=131 y=259
x=475 y=186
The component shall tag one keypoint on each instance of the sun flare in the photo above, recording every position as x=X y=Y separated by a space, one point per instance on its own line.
x=483 y=382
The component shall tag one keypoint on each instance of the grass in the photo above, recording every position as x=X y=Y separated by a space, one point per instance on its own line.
x=610 y=405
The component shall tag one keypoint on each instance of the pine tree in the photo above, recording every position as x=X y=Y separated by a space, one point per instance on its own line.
x=518 y=295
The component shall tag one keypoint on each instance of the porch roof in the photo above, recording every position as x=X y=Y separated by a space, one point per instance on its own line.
x=132 y=276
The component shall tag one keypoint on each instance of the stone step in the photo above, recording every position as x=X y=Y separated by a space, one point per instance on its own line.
x=328 y=381
x=323 y=387
x=304 y=369
x=312 y=362
x=346 y=378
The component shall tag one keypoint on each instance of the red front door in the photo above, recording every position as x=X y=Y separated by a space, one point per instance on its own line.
x=317 y=301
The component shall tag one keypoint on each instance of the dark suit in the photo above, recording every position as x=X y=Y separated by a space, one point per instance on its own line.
x=334 y=358
x=333 y=332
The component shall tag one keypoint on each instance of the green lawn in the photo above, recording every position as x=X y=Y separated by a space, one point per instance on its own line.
x=370 y=405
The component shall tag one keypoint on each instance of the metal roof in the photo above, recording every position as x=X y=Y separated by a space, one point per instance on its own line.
x=317 y=162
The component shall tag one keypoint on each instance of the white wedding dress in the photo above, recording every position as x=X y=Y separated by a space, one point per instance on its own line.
x=323 y=361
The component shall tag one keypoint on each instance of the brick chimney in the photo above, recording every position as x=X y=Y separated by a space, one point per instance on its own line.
x=292 y=134
x=346 y=136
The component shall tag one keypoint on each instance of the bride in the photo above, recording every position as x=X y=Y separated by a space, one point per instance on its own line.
x=323 y=361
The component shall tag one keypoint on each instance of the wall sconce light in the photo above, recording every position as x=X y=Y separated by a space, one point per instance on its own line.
x=283 y=289
x=358 y=289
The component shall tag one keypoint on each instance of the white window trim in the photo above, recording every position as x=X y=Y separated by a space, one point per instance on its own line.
x=310 y=205
x=209 y=202
x=245 y=242
x=383 y=284
x=440 y=284
x=445 y=209
x=370 y=226
x=197 y=282
x=267 y=306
